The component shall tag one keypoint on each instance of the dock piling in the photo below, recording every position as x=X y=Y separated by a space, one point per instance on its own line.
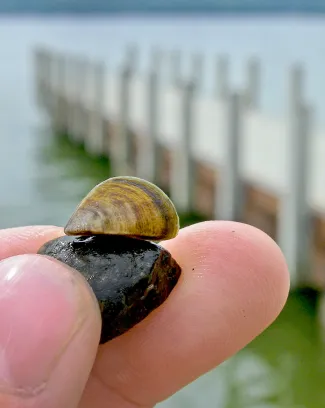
x=95 y=139
x=122 y=141
x=176 y=68
x=219 y=148
x=222 y=77
x=252 y=95
x=294 y=221
x=148 y=154
x=229 y=202
x=182 y=161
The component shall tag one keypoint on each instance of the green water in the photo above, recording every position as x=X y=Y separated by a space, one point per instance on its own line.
x=282 y=368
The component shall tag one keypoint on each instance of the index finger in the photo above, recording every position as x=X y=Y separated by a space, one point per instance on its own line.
x=26 y=240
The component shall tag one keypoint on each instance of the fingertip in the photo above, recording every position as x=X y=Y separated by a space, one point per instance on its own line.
x=49 y=306
x=239 y=253
x=26 y=240
x=31 y=230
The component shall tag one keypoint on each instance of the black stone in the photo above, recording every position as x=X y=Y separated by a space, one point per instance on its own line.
x=130 y=277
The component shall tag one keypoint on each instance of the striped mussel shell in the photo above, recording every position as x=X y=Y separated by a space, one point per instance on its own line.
x=127 y=206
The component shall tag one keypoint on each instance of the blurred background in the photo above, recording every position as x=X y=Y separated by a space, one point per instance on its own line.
x=43 y=178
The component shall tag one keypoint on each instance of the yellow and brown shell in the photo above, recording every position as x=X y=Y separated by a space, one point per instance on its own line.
x=126 y=206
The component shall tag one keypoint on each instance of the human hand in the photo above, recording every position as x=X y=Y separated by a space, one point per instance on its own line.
x=234 y=284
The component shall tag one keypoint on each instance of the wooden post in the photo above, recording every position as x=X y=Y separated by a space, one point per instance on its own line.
x=95 y=134
x=80 y=82
x=52 y=81
x=122 y=144
x=197 y=70
x=132 y=56
x=182 y=163
x=121 y=154
x=100 y=104
x=49 y=81
x=83 y=100
x=148 y=155
x=253 y=83
x=230 y=190
x=64 y=91
x=70 y=91
x=74 y=86
x=59 y=92
x=222 y=82
x=46 y=81
x=52 y=86
x=176 y=68
x=39 y=60
x=42 y=63
x=294 y=222
x=87 y=106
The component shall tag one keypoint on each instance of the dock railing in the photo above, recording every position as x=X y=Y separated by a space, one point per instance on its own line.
x=217 y=155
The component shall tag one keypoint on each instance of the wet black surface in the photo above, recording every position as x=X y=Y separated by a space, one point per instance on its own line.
x=130 y=277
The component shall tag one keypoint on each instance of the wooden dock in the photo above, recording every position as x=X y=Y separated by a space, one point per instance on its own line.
x=215 y=155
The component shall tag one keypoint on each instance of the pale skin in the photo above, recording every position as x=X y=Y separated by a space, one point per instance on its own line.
x=235 y=283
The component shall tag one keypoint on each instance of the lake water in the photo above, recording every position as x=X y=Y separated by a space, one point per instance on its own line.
x=42 y=180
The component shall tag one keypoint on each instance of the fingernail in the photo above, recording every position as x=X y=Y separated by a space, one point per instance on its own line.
x=41 y=309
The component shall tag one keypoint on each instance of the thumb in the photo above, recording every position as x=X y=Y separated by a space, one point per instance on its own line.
x=49 y=333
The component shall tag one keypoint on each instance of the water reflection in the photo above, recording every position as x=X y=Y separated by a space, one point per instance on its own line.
x=282 y=368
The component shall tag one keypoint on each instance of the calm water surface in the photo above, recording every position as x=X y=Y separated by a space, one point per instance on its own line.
x=42 y=180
